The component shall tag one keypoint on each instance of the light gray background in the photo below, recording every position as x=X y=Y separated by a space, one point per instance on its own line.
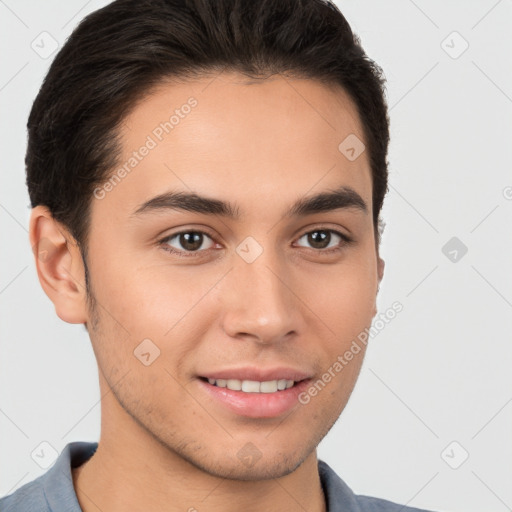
x=438 y=373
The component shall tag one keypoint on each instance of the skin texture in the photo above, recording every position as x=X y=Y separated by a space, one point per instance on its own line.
x=165 y=445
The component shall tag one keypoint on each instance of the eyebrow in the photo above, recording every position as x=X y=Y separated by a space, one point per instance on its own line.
x=341 y=198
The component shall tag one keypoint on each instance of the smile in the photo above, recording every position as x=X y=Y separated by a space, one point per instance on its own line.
x=254 y=398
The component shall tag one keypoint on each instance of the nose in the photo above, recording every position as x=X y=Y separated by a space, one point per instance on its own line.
x=259 y=302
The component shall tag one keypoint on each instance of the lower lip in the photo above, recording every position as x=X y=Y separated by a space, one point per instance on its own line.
x=256 y=405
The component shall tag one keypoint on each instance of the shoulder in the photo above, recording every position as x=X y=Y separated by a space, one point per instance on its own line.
x=53 y=490
x=340 y=498
x=28 y=497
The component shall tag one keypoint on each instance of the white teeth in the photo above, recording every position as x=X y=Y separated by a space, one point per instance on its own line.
x=234 y=384
x=253 y=386
x=268 y=387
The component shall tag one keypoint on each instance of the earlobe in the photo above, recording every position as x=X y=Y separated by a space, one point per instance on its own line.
x=59 y=265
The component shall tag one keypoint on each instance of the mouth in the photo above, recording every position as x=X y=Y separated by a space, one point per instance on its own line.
x=254 y=394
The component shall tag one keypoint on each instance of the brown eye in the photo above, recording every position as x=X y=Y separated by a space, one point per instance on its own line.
x=322 y=239
x=319 y=239
x=187 y=241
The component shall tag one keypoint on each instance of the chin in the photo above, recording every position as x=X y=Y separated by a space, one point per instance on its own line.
x=244 y=468
x=262 y=470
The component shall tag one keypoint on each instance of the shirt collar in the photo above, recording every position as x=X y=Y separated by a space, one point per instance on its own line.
x=338 y=495
x=57 y=482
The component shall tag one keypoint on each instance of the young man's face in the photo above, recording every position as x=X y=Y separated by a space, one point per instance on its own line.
x=258 y=297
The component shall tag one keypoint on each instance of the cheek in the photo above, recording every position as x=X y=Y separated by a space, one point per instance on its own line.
x=149 y=296
x=343 y=297
x=151 y=308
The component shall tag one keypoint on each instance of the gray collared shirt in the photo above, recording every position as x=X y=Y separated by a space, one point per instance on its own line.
x=54 y=492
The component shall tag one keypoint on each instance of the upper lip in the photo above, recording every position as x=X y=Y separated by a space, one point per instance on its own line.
x=258 y=374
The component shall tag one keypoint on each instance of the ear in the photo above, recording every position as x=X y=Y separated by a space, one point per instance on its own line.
x=59 y=266
x=380 y=273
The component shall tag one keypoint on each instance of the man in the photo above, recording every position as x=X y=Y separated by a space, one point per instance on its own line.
x=206 y=179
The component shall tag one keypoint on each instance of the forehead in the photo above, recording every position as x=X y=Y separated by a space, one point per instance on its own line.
x=262 y=140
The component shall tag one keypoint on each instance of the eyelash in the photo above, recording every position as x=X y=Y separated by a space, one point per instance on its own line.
x=188 y=254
